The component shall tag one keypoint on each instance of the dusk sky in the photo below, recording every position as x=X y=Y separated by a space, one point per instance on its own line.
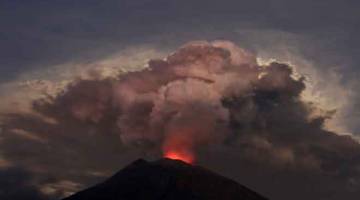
x=262 y=92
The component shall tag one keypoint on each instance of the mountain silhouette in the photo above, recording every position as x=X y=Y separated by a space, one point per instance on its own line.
x=166 y=179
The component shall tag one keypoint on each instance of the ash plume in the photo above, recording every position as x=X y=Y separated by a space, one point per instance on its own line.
x=204 y=93
x=204 y=101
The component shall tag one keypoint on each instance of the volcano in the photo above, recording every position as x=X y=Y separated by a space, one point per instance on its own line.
x=166 y=179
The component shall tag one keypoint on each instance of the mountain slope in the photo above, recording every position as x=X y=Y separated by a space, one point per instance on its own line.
x=166 y=179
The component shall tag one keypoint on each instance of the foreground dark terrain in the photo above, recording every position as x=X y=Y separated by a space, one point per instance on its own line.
x=166 y=179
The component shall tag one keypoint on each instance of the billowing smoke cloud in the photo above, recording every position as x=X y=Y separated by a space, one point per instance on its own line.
x=210 y=102
x=178 y=101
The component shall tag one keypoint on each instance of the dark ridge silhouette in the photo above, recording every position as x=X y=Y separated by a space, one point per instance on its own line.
x=166 y=179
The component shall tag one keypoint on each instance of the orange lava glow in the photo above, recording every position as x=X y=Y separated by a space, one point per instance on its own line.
x=180 y=155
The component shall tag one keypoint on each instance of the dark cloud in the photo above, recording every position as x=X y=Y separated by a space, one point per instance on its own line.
x=15 y=185
x=211 y=100
x=39 y=33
